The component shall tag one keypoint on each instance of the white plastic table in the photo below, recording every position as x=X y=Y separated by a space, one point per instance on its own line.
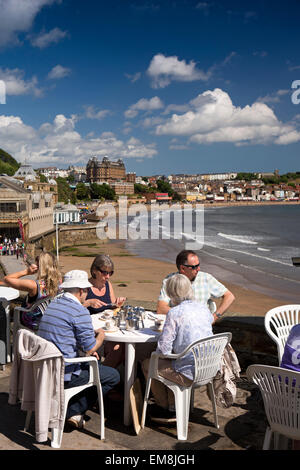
x=6 y=295
x=145 y=335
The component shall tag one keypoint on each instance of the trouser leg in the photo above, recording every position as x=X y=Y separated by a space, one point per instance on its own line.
x=84 y=400
x=164 y=396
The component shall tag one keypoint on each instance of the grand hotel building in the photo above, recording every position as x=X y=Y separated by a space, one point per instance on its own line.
x=105 y=171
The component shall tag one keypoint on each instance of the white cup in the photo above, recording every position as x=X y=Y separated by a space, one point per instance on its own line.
x=159 y=324
x=108 y=314
x=110 y=324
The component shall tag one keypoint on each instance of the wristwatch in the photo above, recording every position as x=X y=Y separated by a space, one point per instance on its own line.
x=218 y=315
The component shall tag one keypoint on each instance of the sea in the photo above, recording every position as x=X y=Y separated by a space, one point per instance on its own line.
x=250 y=246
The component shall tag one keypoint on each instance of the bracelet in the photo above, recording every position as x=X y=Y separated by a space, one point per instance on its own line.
x=218 y=315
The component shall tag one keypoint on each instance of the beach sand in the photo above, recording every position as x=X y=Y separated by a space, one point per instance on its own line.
x=139 y=279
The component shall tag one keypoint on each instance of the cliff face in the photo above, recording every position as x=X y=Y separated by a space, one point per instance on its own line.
x=8 y=165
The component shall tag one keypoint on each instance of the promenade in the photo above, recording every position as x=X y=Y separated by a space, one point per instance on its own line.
x=242 y=426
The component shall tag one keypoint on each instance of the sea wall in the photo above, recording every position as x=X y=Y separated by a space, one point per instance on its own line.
x=68 y=235
x=249 y=340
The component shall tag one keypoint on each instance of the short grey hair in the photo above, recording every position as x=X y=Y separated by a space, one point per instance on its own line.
x=101 y=261
x=179 y=288
x=71 y=290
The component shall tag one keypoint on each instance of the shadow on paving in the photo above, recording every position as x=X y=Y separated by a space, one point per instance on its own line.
x=12 y=424
x=242 y=427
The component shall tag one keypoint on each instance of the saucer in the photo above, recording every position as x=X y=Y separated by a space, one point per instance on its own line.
x=112 y=330
x=103 y=317
x=159 y=330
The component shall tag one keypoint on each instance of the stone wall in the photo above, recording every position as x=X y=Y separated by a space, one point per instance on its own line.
x=249 y=340
x=67 y=236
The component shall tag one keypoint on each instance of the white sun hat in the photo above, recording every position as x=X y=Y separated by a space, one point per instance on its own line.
x=76 y=278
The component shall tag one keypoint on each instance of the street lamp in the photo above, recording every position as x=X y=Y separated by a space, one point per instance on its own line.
x=57 y=255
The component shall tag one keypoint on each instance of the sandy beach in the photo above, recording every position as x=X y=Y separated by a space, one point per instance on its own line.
x=139 y=279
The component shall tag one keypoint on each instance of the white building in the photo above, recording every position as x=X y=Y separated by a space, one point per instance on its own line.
x=66 y=214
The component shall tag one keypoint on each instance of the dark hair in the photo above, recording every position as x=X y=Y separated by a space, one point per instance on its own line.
x=183 y=256
x=100 y=262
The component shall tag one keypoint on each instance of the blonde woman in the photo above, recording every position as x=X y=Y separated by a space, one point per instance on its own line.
x=46 y=283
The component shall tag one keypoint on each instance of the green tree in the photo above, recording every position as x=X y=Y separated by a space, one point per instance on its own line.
x=82 y=191
x=71 y=179
x=139 y=188
x=63 y=189
x=8 y=165
x=102 y=191
x=246 y=176
x=43 y=178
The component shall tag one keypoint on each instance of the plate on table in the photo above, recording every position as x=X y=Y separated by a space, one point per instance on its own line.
x=154 y=316
x=111 y=330
x=159 y=330
x=103 y=317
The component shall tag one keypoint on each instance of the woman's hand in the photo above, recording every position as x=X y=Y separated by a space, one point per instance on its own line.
x=94 y=303
x=32 y=269
x=120 y=301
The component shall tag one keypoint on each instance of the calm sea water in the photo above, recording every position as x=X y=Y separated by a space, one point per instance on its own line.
x=248 y=245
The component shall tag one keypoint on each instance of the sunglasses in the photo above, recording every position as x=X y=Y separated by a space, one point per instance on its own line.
x=195 y=266
x=105 y=273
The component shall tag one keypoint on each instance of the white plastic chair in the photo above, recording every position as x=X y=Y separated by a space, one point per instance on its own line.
x=207 y=354
x=278 y=324
x=40 y=306
x=94 y=380
x=280 y=389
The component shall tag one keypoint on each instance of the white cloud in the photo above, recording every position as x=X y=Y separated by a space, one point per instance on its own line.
x=213 y=118
x=163 y=70
x=143 y=104
x=16 y=84
x=134 y=77
x=273 y=97
x=58 y=72
x=151 y=122
x=17 y=17
x=204 y=7
x=60 y=142
x=45 y=39
x=91 y=113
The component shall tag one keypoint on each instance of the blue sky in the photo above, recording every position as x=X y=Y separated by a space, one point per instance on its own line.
x=173 y=86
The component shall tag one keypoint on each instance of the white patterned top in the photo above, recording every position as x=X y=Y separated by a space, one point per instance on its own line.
x=185 y=324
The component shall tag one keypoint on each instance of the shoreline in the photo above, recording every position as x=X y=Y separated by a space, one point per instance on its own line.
x=139 y=279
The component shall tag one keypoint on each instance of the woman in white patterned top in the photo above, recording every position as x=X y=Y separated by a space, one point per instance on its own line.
x=186 y=322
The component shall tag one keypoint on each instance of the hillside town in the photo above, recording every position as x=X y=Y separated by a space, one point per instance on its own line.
x=230 y=186
x=35 y=201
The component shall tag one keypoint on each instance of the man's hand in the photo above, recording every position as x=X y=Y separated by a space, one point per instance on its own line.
x=162 y=307
x=100 y=333
x=96 y=355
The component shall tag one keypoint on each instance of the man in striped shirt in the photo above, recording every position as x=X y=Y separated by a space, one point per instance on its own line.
x=67 y=324
x=204 y=285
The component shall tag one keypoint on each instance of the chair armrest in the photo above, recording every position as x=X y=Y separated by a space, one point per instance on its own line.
x=80 y=359
x=21 y=309
x=93 y=366
x=167 y=356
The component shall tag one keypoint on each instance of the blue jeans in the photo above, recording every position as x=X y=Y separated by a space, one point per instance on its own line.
x=84 y=400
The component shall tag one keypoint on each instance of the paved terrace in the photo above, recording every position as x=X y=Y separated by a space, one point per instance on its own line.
x=242 y=426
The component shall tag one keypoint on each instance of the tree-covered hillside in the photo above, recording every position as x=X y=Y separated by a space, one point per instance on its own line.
x=8 y=164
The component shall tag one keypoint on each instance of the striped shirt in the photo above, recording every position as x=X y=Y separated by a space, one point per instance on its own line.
x=68 y=325
x=204 y=287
